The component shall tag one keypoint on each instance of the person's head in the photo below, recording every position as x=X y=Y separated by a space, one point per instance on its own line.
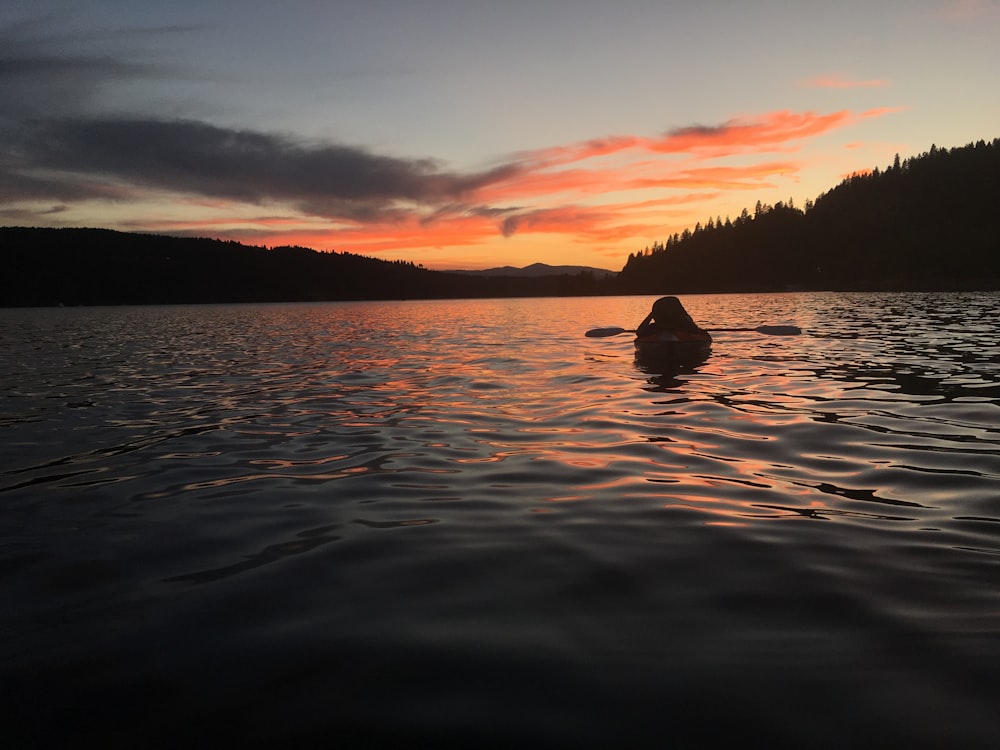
x=668 y=308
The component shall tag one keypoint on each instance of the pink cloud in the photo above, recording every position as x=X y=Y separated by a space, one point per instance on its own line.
x=762 y=133
x=766 y=132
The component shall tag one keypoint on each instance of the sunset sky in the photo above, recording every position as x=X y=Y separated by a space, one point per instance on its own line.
x=467 y=133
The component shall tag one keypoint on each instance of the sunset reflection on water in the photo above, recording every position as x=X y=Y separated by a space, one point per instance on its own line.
x=468 y=504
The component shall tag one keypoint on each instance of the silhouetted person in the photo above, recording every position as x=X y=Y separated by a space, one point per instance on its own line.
x=667 y=315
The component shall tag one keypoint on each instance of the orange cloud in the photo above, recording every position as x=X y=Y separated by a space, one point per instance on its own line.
x=765 y=132
x=881 y=111
x=536 y=184
x=725 y=178
x=769 y=132
x=644 y=175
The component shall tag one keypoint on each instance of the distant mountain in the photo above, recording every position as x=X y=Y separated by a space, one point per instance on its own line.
x=540 y=269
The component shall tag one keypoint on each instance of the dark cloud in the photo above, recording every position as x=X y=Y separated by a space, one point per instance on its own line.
x=697 y=130
x=242 y=165
x=27 y=217
x=508 y=227
x=492 y=212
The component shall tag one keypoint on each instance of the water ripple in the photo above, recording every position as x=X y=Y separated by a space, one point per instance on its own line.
x=429 y=503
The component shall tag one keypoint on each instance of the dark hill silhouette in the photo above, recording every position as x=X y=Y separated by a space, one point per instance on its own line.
x=924 y=223
x=105 y=267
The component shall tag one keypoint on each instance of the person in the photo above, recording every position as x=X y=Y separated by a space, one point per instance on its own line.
x=668 y=316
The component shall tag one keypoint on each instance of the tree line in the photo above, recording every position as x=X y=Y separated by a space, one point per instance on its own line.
x=927 y=222
x=50 y=267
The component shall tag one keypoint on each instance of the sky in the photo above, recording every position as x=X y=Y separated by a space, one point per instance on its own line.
x=465 y=134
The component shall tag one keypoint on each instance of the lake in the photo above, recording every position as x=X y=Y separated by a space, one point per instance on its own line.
x=464 y=524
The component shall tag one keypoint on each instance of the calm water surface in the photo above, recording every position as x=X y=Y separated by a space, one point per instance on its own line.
x=431 y=524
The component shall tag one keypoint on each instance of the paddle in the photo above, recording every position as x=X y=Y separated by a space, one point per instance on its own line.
x=598 y=333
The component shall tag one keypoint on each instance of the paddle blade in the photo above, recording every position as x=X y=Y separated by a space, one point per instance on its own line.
x=779 y=330
x=599 y=333
x=769 y=330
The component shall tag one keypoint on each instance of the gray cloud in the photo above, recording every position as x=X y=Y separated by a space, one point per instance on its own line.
x=508 y=227
x=243 y=165
x=703 y=130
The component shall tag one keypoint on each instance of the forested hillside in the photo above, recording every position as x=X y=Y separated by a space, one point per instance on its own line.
x=104 y=267
x=923 y=223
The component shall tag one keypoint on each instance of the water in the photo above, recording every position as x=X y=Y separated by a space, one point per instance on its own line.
x=464 y=524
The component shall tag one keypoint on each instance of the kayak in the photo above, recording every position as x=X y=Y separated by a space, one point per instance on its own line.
x=674 y=347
